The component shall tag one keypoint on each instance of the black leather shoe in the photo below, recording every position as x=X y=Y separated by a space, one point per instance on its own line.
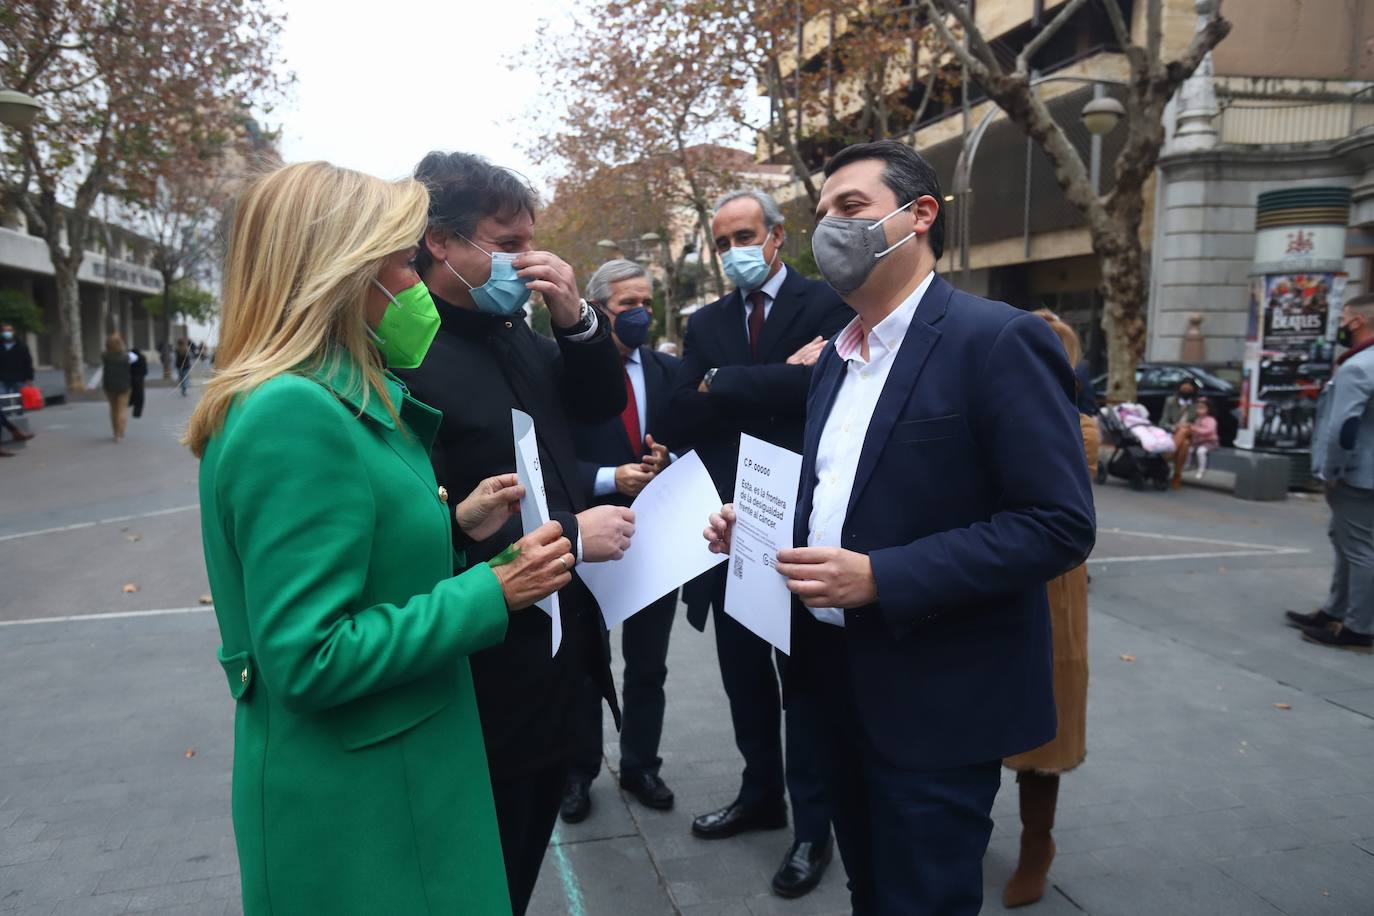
x=737 y=818
x=1338 y=636
x=577 y=801
x=1318 y=618
x=802 y=868
x=651 y=791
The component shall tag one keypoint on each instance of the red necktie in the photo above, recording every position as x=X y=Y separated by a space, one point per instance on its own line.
x=629 y=417
x=757 y=299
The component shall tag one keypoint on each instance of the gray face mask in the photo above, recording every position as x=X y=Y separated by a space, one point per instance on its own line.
x=847 y=250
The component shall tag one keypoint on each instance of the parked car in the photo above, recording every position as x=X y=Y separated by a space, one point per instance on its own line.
x=1156 y=382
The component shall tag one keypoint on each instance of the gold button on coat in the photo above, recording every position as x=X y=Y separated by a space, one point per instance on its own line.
x=443 y=495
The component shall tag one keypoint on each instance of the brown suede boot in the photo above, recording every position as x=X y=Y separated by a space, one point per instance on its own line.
x=1039 y=795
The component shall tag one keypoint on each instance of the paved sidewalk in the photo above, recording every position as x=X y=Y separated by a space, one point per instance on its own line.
x=1200 y=794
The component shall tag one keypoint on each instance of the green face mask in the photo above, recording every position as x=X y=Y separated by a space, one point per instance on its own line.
x=408 y=327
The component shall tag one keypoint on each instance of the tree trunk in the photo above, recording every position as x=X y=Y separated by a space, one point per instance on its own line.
x=166 y=322
x=1123 y=298
x=69 y=321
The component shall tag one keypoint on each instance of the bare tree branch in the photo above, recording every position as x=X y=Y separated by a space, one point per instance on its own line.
x=1032 y=48
x=1154 y=28
x=1118 y=21
x=980 y=70
x=1202 y=43
x=976 y=48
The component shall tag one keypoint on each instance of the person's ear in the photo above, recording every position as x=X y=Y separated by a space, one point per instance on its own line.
x=923 y=214
x=777 y=235
x=436 y=240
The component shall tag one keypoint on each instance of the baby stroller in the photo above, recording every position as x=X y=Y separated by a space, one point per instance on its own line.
x=1130 y=460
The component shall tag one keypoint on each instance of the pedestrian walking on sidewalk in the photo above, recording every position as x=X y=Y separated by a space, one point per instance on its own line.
x=138 y=374
x=1343 y=459
x=16 y=362
x=118 y=382
x=360 y=780
x=1038 y=771
x=183 y=356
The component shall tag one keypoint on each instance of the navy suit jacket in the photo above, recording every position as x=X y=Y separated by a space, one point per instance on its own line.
x=606 y=444
x=764 y=398
x=971 y=493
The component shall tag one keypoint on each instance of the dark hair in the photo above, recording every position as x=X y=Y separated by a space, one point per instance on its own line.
x=463 y=189
x=907 y=174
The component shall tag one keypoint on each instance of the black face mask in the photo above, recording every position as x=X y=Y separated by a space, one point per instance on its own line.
x=1345 y=336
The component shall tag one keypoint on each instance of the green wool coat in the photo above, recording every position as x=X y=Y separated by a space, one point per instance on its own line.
x=360 y=779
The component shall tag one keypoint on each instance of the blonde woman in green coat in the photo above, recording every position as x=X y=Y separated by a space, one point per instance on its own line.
x=360 y=780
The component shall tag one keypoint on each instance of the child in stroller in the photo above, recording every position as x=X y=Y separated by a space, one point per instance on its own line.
x=1140 y=450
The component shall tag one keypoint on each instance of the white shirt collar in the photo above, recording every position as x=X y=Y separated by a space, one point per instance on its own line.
x=632 y=356
x=771 y=287
x=890 y=332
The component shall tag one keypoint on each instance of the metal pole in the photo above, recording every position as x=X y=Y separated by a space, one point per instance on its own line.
x=1095 y=147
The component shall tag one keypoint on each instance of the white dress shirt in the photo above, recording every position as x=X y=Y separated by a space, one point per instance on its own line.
x=770 y=291
x=634 y=366
x=846 y=429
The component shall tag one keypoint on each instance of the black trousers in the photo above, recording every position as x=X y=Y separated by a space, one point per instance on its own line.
x=644 y=644
x=136 y=393
x=526 y=808
x=753 y=687
x=912 y=841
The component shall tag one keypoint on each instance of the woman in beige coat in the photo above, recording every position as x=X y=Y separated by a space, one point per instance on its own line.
x=1037 y=771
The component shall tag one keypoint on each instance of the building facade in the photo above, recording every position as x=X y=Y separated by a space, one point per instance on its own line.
x=1283 y=101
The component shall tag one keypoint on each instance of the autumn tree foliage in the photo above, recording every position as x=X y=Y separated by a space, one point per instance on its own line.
x=127 y=86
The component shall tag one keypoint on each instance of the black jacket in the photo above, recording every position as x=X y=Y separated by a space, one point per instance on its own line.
x=16 y=364
x=478 y=368
x=766 y=399
x=605 y=444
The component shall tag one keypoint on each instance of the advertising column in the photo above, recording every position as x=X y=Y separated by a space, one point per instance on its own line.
x=1295 y=304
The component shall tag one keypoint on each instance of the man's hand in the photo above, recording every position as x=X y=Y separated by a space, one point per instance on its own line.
x=702 y=387
x=657 y=459
x=629 y=480
x=808 y=354
x=489 y=505
x=719 y=528
x=551 y=277
x=606 y=532
x=828 y=576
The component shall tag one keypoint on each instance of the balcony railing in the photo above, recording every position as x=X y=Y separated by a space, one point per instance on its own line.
x=1262 y=122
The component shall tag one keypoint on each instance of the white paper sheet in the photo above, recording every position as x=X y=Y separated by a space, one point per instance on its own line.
x=667 y=549
x=766 y=481
x=534 y=506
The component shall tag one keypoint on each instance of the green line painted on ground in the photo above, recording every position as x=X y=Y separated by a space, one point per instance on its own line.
x=572 y=891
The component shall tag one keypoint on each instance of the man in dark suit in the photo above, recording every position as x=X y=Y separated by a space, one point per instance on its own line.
x=477 y=262
x=619 y=457
x=746 y=364
x=920 y=629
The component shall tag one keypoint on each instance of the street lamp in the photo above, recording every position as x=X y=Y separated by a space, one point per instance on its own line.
x=1101 y=115
x=17 y=109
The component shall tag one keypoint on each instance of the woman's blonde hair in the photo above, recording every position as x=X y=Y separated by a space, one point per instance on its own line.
x=306 y=242
x=114 y=343
x=1066 y=335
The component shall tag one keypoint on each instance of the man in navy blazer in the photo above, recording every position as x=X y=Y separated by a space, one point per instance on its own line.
x=746 y=367
x=942 y=486
x=616 y=459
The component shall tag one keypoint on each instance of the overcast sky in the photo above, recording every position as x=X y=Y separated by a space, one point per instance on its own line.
x=379 y=84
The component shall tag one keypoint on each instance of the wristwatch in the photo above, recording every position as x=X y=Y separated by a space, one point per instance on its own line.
x=709 y=377
x=585 y=319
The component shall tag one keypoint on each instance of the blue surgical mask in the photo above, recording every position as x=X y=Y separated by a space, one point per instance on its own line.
x=8 y=335
x=632 y=327
x=504 y=293
x=745 y=266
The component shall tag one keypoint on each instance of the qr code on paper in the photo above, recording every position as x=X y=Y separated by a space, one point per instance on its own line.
x=739 y=567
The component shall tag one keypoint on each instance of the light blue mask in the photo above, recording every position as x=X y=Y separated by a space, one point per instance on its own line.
x=504 y=293
x=745 y=266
